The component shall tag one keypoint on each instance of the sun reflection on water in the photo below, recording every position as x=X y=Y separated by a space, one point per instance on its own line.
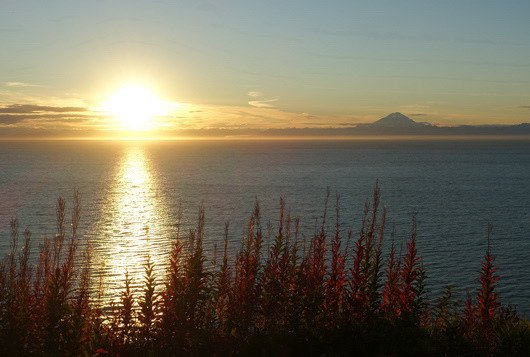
x=131 y=225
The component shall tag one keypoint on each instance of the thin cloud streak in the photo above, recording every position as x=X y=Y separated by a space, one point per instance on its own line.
x=263 y=103
x=21 y=85
x=260 y=103
x=31 y=108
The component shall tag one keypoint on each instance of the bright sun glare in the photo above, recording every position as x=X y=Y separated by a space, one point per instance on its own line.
x=135 y=107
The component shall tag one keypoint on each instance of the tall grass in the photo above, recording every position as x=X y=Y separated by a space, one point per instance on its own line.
x=334 y=292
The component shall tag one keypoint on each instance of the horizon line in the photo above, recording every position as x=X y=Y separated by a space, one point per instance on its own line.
x=456 y=137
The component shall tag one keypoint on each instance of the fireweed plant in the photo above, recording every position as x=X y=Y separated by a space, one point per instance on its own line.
x=330 y=293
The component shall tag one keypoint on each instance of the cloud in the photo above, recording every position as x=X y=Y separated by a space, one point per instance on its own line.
x=10 y=119
x=20 y=85
x=418 y=114
x=213 y=117
x=263 y=103
x=31 y=108
x=524 y=107
x=258 y=102
x=50 y=115
x=31 y=116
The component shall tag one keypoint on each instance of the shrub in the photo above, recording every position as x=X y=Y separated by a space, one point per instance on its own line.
x=330 y=297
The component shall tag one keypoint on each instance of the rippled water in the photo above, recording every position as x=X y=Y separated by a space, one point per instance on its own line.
x=131 y=192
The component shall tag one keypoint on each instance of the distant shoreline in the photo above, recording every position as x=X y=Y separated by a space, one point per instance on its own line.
x=425 y=137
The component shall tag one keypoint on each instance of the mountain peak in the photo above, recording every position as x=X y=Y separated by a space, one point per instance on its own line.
x=396 y=120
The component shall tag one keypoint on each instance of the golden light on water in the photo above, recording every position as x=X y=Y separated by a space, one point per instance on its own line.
x=132 y=224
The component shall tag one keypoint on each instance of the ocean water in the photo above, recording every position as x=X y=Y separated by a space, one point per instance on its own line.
x=131 y=194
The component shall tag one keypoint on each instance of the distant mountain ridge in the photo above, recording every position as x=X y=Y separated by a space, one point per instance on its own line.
x=400 y=124
x=393 y=125
x=396 y=120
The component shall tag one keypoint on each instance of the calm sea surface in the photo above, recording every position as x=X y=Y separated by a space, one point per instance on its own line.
x=131 y=192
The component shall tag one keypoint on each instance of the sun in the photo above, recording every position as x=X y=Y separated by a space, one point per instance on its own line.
x=135 y=107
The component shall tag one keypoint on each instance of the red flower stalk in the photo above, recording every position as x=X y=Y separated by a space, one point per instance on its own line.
x=247 y=268
x=410 y=272
x=311 y=281
x=364 y=296
x=487 y=298
x=336 y=282
x=223 y=284
x=276 y=278
x=357 y=281
x=391 y=290
x=172 y=296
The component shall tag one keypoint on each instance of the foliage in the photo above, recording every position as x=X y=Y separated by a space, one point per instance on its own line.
x=330 y=295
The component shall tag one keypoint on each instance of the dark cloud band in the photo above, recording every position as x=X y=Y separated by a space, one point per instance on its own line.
x=30 y=108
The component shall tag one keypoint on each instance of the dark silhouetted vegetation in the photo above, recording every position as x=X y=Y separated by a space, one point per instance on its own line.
x=333 y=293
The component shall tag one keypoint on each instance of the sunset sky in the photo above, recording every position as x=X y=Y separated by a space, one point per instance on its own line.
x=269 y=64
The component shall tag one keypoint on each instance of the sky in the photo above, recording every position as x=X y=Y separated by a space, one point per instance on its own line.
x=268 y=64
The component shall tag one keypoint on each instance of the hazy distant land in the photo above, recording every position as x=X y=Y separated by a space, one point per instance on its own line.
x=396 y=125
